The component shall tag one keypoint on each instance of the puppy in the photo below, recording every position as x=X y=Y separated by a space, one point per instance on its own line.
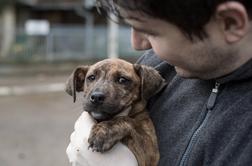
x=115 y=95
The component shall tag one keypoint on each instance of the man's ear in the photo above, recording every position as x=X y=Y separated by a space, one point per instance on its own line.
x=75 y=82
x=151 y=81
x=233 y=19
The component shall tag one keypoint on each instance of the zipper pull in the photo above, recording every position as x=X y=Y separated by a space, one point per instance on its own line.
x=213 y=96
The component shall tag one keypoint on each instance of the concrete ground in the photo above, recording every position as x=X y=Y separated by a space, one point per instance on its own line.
x=36 y=115
x=35 y=126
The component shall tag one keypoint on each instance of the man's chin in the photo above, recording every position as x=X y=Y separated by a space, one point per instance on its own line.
x=184 y=73
x=193 y=75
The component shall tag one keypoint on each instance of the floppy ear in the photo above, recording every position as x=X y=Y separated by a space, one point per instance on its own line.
x=151 y=81
x=75 y=82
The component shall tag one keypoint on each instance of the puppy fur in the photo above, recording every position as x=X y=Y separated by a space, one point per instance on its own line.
x=115 y=94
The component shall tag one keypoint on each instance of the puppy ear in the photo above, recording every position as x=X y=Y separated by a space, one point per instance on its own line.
x=151 y=81
x=75 y=82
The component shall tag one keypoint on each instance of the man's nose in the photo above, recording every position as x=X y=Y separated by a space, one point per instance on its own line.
x=139 y=41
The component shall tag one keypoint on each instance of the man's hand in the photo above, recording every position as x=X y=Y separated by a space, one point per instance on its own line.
x=79 y=154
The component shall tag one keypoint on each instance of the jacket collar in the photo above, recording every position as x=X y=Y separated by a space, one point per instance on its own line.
x=242 y=73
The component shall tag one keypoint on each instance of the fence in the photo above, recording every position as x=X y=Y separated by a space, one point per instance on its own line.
x=72 y=42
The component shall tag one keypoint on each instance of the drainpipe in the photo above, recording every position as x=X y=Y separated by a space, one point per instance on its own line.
x=89 y=27
x=113 y=42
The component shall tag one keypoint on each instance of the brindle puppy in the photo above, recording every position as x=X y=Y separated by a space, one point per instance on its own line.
x=115 y=95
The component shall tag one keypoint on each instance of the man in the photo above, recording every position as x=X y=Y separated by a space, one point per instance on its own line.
x=204 y=116
x=203 y=49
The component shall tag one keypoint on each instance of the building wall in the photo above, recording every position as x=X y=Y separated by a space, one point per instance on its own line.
x=54 y=16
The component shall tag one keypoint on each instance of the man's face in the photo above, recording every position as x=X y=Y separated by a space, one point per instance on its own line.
x=202 y=58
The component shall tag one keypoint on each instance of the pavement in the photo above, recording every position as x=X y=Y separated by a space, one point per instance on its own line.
x=36 y=116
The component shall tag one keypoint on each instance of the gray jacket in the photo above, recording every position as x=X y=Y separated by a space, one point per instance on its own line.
x=203 y=123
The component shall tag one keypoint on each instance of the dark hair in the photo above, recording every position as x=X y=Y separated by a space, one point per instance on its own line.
x=189 y=15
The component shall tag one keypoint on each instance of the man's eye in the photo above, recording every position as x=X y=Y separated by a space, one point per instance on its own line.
x=91 y=77
x=123 y=80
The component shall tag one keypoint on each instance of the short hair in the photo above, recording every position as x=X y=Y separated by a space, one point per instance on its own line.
x=190 y=16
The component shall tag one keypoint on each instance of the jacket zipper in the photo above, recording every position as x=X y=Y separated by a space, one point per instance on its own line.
x=210 y=105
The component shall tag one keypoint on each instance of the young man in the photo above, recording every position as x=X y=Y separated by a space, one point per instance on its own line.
x=203 y=49
x=204 y=116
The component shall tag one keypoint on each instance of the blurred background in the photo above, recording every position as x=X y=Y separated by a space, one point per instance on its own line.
x=41 y=42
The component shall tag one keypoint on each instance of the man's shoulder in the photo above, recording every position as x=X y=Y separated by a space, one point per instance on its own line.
x=149 y=58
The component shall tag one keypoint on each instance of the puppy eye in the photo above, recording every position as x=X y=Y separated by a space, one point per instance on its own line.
x=123 y=80
x=91 y=77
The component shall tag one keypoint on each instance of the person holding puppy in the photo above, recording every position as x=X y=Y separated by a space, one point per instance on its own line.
x=203 y=50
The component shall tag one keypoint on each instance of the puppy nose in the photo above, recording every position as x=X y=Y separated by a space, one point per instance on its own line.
x=97 y=97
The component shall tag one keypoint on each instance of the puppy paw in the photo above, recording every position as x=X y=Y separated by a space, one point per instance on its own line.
x=101 y=138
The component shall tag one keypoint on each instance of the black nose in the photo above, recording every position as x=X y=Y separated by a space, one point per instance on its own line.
x=97 y=97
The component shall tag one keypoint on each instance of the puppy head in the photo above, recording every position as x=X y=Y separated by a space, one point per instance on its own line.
x=111 y=86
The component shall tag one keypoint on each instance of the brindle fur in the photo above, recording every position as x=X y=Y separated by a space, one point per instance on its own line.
x=125 y=103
